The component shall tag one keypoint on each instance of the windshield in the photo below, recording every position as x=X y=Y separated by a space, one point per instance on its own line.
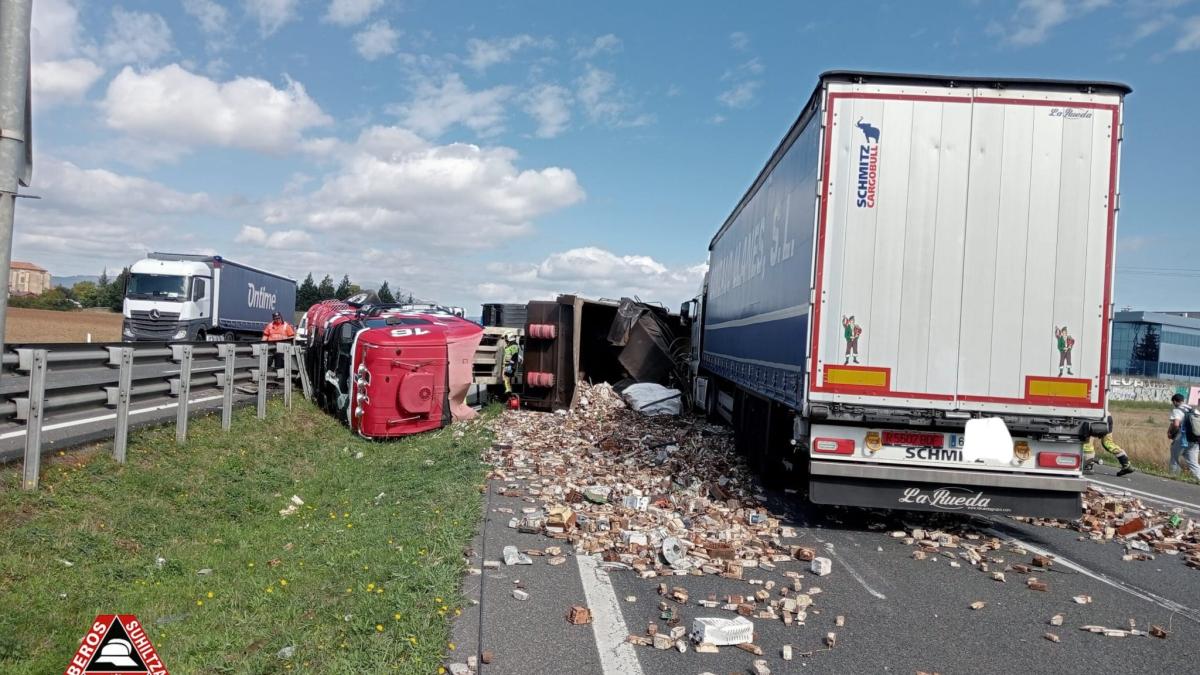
x=157 y=286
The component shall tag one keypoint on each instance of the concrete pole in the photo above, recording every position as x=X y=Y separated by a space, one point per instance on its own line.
x=15 y=16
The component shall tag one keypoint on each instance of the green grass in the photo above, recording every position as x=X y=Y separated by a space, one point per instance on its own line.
x=356 y=583
x=1161 y=406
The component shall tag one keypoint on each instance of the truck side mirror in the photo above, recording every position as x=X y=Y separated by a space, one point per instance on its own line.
x=685 y=313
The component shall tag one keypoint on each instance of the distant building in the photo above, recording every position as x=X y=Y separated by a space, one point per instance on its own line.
x=27 y=279
x=1163 y=345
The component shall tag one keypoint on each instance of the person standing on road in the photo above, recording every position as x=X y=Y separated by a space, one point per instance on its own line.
x=1183 y=446
x=275 y=332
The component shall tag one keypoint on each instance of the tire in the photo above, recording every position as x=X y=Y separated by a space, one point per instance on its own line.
x=229 y=336
x=201 y=336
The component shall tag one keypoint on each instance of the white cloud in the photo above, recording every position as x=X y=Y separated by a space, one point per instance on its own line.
x=1189 y=39
x=271 y=14
x=212 y=16
x=1034 y=20
x=483 y=54
x=88 y=218
x=605 y=44
x=61 y=73
x=740 y=95
x=351 y=12
x=63 y=81
x=550 y=106
x=593 y=272
x=435 y=108
x=743 y=84
x=739 y=40
x=604 y=102
x=55 y=33
x=280 y=239
x=376 y=40
x=393 y=188
x=136 y=37
x=173 y=105
x=1149 y=27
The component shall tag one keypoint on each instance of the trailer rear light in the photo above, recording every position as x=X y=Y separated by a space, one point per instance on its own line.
x=1058 y=460
x=833 y=446
x=1021 y=451
x=873 y=441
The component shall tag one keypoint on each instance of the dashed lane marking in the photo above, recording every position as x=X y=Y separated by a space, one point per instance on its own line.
x=608 y=624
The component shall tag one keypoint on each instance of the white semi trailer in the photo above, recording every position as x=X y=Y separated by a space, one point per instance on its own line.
x=911 y=305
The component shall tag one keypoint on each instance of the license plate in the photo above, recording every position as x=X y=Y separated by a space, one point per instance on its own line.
x=913 y=439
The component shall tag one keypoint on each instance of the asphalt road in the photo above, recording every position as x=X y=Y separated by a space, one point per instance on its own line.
x=901 y=615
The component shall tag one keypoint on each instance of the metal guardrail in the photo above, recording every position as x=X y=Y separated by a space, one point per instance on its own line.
x=57 y=395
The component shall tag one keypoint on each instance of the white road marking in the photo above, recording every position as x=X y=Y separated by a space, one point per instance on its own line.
x=1148 y=596
x=854 y=573
x=608 y=624
x=1149 y=495
x=101 y=418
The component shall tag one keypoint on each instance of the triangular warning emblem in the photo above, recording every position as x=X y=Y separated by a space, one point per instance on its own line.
x=116 y=645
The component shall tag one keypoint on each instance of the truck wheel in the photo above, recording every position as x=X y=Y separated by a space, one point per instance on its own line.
x=229 y=337
x=201 y=336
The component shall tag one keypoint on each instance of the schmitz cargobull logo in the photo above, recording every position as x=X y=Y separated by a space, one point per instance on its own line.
x=868 y=165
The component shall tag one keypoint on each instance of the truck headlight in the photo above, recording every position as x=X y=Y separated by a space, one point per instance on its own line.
x=179 y=334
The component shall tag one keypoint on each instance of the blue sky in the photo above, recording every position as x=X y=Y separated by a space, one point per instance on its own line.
x=478 y=152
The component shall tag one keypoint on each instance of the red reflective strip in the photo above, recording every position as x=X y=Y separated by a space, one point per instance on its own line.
x=833 y=446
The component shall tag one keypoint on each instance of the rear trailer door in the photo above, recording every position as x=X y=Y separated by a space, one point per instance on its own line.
x=965 y=249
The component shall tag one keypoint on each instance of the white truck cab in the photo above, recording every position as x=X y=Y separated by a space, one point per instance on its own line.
x=168 y=300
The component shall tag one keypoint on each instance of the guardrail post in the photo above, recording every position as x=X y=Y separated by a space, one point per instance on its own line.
x=185 y=392
x=33 y=426
x=301 y=364
x=263 y=351
x=287 y=350
x=124 y=382
x=229 y=353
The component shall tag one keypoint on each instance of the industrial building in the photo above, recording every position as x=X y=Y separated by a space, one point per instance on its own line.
x=1163 y=345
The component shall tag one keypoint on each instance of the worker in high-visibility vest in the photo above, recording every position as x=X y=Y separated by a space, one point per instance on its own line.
x=275 y=332
x=509 y=365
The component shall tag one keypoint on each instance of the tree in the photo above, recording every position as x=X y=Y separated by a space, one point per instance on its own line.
x=385 y=293
x=325 y=289
x=344 y=288
x=1145 y=352
x=307 y=294
x=114 y=296
x=86 y=293
x=55 y=298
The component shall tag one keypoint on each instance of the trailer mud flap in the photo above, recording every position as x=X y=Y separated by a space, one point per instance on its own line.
x=947 y=498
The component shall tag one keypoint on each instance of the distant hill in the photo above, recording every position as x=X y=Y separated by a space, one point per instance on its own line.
x=71 y=281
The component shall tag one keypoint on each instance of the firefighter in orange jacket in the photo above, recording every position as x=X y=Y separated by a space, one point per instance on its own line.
x=278 y=331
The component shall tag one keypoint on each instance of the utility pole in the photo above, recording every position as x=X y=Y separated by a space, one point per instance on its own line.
x=15 y=143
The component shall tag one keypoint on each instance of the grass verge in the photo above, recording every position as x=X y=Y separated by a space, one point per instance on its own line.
x=363 y=578
x=1141 y=429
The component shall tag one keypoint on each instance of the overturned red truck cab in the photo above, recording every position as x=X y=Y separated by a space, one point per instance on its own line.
x=389 y=370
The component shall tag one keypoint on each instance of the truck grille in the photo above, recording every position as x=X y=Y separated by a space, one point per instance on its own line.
x=143 y=326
